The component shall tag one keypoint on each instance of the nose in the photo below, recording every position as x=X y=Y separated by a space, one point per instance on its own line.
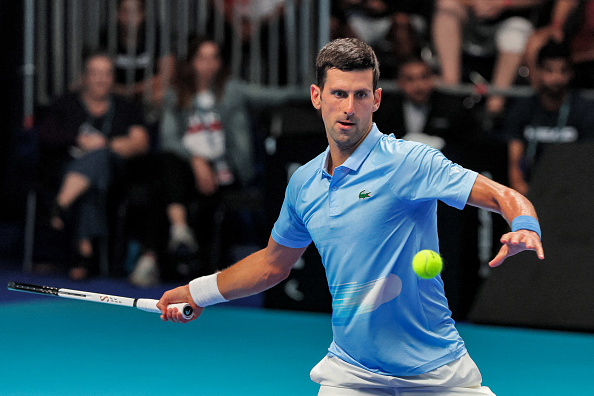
x=350 y=109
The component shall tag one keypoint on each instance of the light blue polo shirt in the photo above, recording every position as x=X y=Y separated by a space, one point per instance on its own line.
x=367 y=221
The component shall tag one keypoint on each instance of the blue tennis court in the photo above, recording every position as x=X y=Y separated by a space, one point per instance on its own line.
x=53 y=346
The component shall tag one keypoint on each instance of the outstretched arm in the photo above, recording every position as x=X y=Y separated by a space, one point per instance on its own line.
x=254 y=274
x=490 y=195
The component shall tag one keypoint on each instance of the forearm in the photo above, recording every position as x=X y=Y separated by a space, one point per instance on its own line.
x=525 y=234
x=509 y=4
x=516 y=180
x=522 y=3
x=134 y=143
x=512 y=204
x=490 y=195
x=561 y=11
x=257 y=272
x=250 y=276
x=515 y=173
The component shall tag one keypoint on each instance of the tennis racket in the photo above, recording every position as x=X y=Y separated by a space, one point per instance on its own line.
x=145 y=304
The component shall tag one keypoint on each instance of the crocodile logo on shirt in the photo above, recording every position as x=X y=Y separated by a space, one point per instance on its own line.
x=364 y=194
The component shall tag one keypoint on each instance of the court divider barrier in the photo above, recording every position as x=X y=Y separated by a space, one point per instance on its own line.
x=296 y=137
x=557 y=292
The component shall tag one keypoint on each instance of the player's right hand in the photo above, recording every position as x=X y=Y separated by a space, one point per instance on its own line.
x=516 y=242
x=178 y=295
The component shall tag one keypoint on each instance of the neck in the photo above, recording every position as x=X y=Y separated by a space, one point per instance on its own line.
x=202 y=86
x=552 y=102
x=338 y=155
x=417 y=104
x=95 y=105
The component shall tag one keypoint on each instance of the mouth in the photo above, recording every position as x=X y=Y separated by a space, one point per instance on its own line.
x=346 y=124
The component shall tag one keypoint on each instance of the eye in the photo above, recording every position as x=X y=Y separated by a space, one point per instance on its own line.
x=361 y=95
x=339 y=94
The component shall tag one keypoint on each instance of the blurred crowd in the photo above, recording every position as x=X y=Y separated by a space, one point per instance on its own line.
x=147 y=148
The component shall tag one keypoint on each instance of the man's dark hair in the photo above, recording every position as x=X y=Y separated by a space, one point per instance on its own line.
x=553 y=50
x=142 y=4
x=346 y=54
x=90 y=53
x=413 y=60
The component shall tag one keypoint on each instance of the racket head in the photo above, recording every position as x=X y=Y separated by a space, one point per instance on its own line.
x=29 y=288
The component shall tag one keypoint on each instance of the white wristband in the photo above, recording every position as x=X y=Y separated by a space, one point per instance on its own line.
x=205 y=291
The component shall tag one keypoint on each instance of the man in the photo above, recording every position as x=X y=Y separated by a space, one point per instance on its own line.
x=422 y=114
x=369 y=204
x=139 y=69
x=553 y=115
x=91 y=133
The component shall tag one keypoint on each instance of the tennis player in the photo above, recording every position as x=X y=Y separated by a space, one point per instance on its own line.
x=369 y=204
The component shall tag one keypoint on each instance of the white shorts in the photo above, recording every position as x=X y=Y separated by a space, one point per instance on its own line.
x=337 y=377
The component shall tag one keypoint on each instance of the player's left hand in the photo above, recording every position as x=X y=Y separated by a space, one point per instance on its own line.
x=516 y=242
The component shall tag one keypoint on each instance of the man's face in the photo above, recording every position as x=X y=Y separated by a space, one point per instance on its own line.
x=347 y=103
x=130 y=14
x=98 y=78
x=417 y=82
x=554 y=76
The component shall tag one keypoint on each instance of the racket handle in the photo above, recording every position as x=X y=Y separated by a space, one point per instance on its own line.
x=150 y=305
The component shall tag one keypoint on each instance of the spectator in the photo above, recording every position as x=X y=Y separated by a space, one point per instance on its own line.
x=369 y=19
x=396 y=30
x=150 y=69
x=339 y=26
x=93 y=132
x=582 y=46
x=196 y=161
x=249 y=21
x=571 y=21
x=482 y=29
x=402 y=43
x=422 y=114
x=207 y=149
x=553 y=115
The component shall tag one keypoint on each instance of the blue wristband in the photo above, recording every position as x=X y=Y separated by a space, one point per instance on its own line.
x=526 y=223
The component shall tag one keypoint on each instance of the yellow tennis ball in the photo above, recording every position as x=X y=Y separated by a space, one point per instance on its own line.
x=427 y=264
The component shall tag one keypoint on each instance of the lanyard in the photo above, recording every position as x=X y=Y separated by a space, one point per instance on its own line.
x=107 y=118
x=562 y=118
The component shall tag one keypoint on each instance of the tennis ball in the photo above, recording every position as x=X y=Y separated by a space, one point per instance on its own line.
x=427 y=264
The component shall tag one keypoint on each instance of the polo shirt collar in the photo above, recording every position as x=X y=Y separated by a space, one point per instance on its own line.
x=356 y=159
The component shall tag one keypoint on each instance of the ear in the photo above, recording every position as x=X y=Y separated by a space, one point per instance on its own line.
x=377 y=99
x=316 y=96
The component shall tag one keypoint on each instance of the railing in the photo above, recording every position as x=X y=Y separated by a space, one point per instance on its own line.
x=56 y=31
x=59 y=30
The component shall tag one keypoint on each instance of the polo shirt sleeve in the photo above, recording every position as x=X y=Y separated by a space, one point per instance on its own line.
x=289 y=230
x=430 y=175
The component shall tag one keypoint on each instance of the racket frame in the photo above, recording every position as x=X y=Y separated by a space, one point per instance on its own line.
x=145 y=304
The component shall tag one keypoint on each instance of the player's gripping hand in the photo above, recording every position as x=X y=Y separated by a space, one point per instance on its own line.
x=178 y=295
x=516 y=242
